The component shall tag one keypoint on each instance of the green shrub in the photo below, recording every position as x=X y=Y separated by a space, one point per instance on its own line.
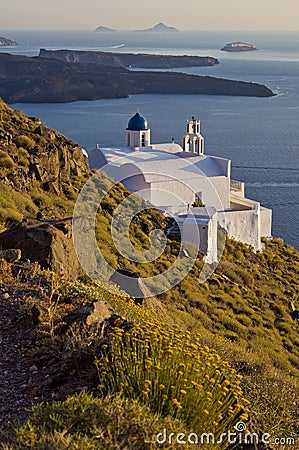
x=7 y=164
x=25 y=142
x=84 y=422
x=40 y=198
x=23 y=162
x=10 y=216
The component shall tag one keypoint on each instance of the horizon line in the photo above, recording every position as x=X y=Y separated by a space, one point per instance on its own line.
x=156 y=32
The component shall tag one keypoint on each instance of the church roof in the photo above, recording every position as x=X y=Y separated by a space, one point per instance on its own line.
x=137 y=123
x=149 y=162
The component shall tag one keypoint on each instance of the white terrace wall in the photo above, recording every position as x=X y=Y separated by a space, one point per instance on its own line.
x=266 y=222
x=244 y=226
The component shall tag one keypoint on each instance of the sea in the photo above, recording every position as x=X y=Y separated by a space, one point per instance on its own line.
x=259 y=135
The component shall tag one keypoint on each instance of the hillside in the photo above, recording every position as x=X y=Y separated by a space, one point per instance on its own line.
x=231 y=337
x=38 y=80
x=40 y=170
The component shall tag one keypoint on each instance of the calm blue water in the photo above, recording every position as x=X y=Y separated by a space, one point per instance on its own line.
x=261 y=136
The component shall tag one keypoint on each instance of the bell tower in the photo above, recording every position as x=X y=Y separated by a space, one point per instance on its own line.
x=193 y=141
x=138 y=133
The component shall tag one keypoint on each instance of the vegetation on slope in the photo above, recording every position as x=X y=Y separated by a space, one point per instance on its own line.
x=40 y=170
x=243 y=311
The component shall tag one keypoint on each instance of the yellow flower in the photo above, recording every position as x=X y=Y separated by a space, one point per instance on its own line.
x=183 y=392
x=205 y=411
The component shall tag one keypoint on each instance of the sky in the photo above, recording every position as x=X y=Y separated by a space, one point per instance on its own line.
x=137 y=14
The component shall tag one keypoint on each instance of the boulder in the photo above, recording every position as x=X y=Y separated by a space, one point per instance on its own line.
x=94 y=313
x=11 y=254
x=89 y=314
x=5 y=137
x=49 y=243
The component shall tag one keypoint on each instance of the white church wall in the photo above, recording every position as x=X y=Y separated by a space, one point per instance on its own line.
x=222 y=187
x=266 y=222
x=137 y=183
x=96 y=159
x=214 y=191
x=244 y=226
x=202 y=235
x=171 y=193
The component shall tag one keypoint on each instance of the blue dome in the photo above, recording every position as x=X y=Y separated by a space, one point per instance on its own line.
x=137 y=123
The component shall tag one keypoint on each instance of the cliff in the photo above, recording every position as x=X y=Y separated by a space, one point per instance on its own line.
x=129 y=60
x=43 y=80
x=7 y=42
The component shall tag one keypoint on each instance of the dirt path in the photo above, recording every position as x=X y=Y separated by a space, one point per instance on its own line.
x=17 y=392
x=31 y=370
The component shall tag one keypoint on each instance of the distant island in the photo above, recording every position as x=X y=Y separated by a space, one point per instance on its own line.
x=129 y=60
x=104 y=29
x=160 y=28
x=45 y=80
x=238 y=47
x=4 y=42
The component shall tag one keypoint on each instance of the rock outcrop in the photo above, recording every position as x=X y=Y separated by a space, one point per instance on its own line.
x=11 y=254
x=98 y=314
x=38 y=154
x=46 y=243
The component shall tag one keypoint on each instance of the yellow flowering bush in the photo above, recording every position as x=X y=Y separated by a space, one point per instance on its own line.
x=170 y=372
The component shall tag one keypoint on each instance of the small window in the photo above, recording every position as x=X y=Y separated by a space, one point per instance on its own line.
x=198 y=201
x=143 y=140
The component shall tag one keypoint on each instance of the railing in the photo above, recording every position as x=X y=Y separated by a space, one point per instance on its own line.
x=236 y=185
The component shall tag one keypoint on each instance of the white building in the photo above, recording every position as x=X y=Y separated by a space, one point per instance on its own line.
x=196 y=188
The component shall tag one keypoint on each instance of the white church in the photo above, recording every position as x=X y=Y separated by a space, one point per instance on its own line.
x=194 y=188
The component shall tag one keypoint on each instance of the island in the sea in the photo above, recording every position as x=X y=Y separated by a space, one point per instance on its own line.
x=5 y=42
x=238 y=47
x=103 y=29
x=45 y=80
x=159 y=28
x=129 y=60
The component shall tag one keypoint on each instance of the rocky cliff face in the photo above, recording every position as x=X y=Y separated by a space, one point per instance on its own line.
x=41 y=173
x=31 y=152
